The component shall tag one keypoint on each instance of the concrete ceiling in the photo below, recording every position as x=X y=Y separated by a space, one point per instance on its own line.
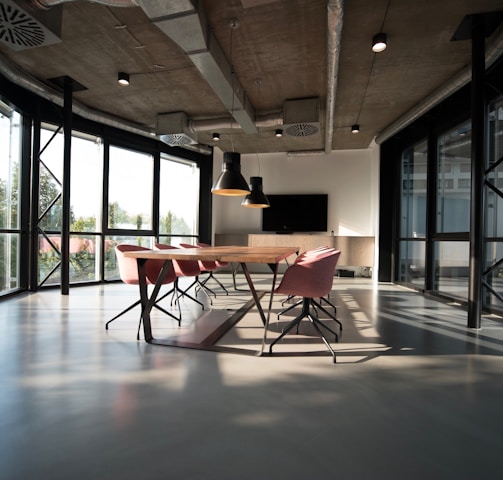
x=276 y=56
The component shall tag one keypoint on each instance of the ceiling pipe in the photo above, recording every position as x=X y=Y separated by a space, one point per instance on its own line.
x=46 y=4
x=12 y=73
x=335 y=14
x=185 y=23
x=204 y=125
x=493 y=52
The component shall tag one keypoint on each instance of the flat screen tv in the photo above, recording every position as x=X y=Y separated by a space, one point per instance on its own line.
x=296 y=213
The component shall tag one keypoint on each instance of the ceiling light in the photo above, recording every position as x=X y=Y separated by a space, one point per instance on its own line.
x=123 y=79
x=355 y=128
x=216 y=137
x=231 y=182
x=278 y=132
x=256 y=198
x=379 y=42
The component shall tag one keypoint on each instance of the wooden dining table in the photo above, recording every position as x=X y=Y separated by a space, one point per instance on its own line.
x=243 y=255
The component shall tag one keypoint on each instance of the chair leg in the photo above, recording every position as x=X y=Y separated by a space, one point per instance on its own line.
x=211 y=276
x=287 y=309
x=293 y=323
x=327 y=301
x=287 y=299
x=183 y=293
x=315 y=323
x=328 y=313
x=122 y=313
x=205 y=289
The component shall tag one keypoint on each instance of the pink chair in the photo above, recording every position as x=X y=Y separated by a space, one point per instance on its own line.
x=310 y=277
x=301 y=259
x=128 y=271
x=183 y=268
x=210 y=268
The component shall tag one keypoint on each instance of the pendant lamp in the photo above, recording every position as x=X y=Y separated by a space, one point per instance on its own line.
x=231 y=182
x=256 y=198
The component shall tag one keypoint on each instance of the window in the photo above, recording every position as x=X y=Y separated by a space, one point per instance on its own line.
x=451 y=255
x=178 y=200
x=130 y=189
x=453 y=198
x=493 y=233
x=10 y=234
x=413 y=214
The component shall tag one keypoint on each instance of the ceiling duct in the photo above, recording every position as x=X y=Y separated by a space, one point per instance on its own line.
x=185 y=23
x=301 y=118
x=22 y=26
x=172 y=129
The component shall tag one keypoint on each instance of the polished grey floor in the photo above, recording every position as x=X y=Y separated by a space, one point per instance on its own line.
x=414 y=393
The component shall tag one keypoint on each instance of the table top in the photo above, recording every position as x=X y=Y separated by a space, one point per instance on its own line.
x=222 y=254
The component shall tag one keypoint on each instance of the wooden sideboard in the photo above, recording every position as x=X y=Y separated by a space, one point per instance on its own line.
x=355 y=251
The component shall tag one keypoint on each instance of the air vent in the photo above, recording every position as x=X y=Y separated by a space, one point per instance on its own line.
x=301 y=117
x=172 y=129
x=20 y=30
x=177 y=139
x=302 y=129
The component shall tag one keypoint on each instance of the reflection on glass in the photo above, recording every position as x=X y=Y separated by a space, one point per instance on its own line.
x=494 y=278
x=414 y=172
x=111 y=268
x=412 y=262
x=452 y=268
x=130 y=183
x=453 y=184
x=413 y=197
x=492 y=292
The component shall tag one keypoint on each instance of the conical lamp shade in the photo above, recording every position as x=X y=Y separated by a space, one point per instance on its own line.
x=256 y=198
x=231 y=182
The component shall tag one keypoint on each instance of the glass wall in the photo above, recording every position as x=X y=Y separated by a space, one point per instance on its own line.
x=453 y=187
x=178 y=201
x=124 y=188
x=414 y=175
x=10 y=234
x=130 y=192
x=130 y=189
x=493 y=229
x=85 y=210
x=451 y=248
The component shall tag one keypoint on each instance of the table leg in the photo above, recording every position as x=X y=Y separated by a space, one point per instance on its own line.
x=263 y=316
x=146 y=302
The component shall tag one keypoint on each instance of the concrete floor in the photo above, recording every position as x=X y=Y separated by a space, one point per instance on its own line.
x=414 y=395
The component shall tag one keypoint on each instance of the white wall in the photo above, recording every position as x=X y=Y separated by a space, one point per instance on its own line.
x=350 y=177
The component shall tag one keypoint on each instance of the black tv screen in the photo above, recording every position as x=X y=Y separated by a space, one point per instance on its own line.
x=296 y=213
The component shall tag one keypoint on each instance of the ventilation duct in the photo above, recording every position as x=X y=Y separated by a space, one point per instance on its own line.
x=172 y=129
x=187 y=26
x=301 y=118
x=23 y=26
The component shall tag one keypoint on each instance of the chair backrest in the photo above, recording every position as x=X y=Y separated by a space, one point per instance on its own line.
x=308 y=254
x=128 y=267
x=183 y=268
x=219 y=264
x=204 y=265
x=312 y=276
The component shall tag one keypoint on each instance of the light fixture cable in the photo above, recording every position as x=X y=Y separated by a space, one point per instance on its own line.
x=371 y=69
